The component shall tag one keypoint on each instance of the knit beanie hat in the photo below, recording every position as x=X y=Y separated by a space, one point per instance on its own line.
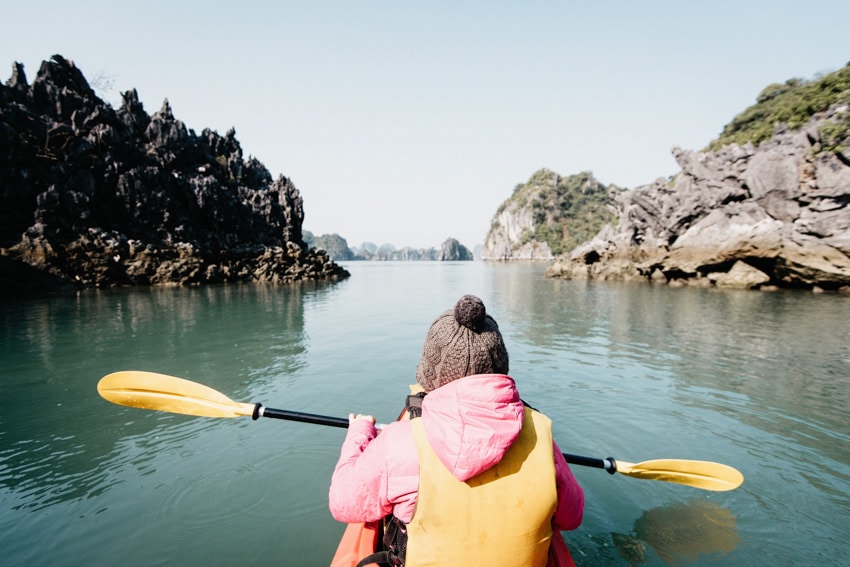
x=461 y=342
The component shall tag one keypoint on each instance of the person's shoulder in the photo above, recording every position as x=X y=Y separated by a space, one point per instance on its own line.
x=397 y=444
x=396 y=428
x=396 y=435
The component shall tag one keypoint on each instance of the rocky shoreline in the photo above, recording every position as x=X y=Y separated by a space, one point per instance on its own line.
x=766 y=217
x=92 y=196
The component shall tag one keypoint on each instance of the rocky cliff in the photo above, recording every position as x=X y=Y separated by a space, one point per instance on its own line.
x=92 y=196
x=772 y=215
x=548 y=215
x=453 y=251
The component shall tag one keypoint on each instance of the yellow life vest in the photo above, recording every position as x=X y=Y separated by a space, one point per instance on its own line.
x=500 y=517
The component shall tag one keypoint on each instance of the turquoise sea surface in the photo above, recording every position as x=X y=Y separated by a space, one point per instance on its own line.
x=756 y=380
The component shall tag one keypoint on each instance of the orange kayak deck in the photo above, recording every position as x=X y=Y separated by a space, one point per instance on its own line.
x=358 y=541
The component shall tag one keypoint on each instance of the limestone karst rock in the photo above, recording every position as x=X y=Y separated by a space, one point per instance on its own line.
x=743 y=216
x=92 y=196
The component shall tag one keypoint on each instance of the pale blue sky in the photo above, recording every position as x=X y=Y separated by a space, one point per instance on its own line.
x=409 y=122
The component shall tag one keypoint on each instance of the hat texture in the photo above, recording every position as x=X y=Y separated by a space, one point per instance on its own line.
x=461 y=342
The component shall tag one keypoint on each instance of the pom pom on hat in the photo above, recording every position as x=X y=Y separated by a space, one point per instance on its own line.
x=461 y=342
x=469 y=311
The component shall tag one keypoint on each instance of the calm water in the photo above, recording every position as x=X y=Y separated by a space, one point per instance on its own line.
x=759 y=381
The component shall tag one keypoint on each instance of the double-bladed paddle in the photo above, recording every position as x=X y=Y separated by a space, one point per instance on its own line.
x=149 y=390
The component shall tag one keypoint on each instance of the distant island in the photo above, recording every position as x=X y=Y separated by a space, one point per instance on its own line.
x=338 y=249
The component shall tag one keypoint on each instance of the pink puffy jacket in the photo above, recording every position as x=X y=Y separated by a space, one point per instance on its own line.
x=470 y=423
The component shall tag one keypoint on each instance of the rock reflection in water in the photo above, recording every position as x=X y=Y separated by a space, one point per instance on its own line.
x=680 y=533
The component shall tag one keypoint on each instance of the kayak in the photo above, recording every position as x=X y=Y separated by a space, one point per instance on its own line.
x=358 y=541
x=364 y=538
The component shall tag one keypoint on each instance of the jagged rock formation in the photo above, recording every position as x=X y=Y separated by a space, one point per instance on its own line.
x=547 y=216
x=775 y=215
x=453 y=251
x=91 y=196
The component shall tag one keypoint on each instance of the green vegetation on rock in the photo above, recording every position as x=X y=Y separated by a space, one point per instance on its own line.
x=566 y=211
x=792 y=103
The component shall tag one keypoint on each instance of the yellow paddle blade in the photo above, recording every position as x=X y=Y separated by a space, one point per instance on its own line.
x=700 y=474
x=149 y=390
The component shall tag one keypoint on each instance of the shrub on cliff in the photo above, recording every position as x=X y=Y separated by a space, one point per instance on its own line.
x=793 y=104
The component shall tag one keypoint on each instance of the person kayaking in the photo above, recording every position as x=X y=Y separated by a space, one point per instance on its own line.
x=475 y=478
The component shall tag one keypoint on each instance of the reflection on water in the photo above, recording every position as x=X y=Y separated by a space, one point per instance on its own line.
x=746 y=348
x=759 y=381
x=680 y=533
x=60 y=443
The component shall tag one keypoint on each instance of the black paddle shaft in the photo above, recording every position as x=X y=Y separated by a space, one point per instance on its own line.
x=260 y=411
x=608 y=464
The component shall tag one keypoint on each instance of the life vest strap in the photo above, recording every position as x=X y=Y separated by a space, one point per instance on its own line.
x=393 y=545
x=382 y=559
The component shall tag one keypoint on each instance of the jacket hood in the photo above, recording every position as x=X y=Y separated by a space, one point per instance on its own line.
x=471 y=422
